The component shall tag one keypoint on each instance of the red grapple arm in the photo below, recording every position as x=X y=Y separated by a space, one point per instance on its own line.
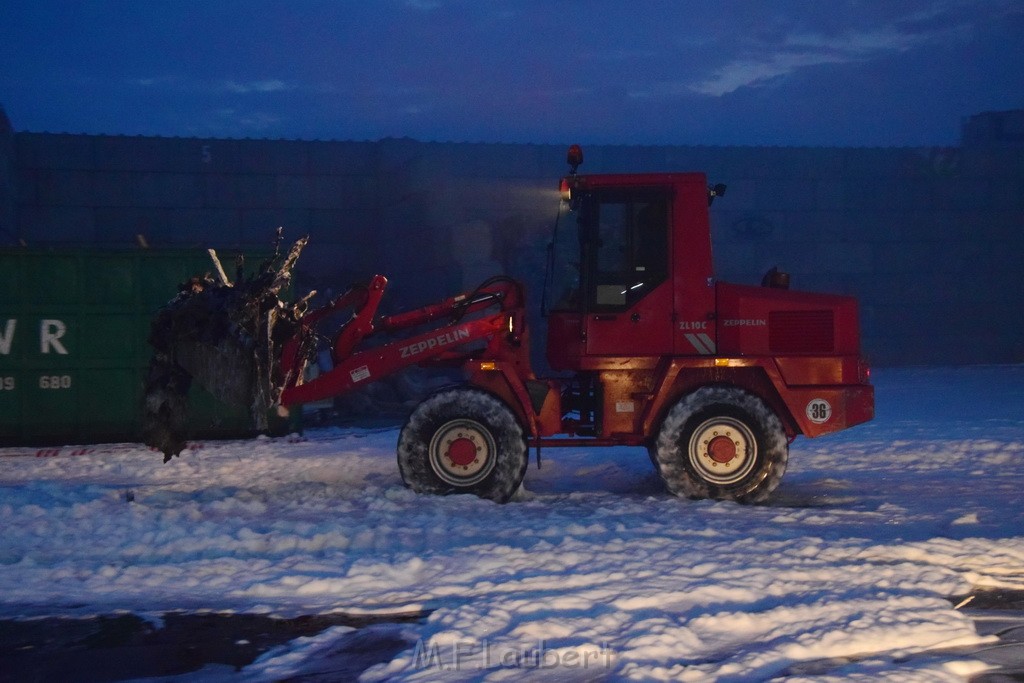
x=500 y=330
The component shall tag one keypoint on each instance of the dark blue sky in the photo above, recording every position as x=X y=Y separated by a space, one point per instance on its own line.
x=754 y=72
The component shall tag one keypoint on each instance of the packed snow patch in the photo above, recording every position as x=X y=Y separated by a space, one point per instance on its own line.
x=592 y=570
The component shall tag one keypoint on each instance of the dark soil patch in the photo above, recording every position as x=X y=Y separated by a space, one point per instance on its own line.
x=998 y=612
x=992 y=599
x=124 y=646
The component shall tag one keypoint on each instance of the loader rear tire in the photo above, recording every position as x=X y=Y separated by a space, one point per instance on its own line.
x=723 y=443
x=463 y=440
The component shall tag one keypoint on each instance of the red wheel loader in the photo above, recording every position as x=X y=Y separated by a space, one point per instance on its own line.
x=715 y=380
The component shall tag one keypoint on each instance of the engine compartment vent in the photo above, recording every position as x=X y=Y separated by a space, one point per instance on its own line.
x=801 y=331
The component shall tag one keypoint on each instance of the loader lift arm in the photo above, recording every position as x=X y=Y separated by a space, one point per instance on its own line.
x=468 y=325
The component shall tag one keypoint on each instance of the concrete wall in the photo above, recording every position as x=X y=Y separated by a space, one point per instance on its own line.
x=930 y=240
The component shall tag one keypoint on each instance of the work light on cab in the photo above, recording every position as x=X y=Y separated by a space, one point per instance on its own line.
x=565 y=190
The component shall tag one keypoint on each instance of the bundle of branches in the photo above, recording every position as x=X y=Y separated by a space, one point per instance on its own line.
x=225 y=336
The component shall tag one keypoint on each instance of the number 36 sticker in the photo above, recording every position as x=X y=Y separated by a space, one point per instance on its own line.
x=818 y=411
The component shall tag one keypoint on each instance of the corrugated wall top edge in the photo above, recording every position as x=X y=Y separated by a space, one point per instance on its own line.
x=481 y=142
x=155 y=252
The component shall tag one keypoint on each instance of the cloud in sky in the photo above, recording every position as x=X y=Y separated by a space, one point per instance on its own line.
x=749 y=72
x=272 y=85
x=800 y=51
x=181 y=83
x=424 y=5
x=807 y=49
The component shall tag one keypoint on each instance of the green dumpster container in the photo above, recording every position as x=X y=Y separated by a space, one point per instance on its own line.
x=73 y=345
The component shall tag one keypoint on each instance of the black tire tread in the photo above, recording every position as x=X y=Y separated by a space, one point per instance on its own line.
x=463 y=402
x=670 y=446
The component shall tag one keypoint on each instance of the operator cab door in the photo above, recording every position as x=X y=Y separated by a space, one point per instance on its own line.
x=626 y=289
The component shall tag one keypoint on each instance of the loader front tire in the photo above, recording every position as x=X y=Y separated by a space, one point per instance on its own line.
x=463 y=440
x=723 y=443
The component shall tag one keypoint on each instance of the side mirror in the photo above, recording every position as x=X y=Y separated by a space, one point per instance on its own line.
x=718 y=190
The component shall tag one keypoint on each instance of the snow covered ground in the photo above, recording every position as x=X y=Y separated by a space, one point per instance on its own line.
x=592 y=573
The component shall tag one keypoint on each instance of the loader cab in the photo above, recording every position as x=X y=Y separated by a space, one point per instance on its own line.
x=630 y=253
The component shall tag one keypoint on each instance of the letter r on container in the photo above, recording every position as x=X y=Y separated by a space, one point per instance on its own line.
x=50 y=332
